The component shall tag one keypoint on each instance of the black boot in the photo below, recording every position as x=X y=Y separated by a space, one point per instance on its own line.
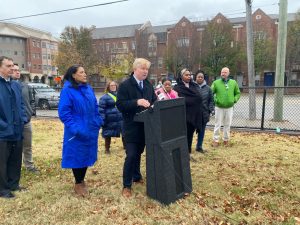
x=107 y=145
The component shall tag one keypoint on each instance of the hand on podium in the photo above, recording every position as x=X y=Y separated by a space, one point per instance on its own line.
x=143 y=102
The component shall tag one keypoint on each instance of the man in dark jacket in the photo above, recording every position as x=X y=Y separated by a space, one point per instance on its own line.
x=135 y=95
x=12 y=118
x=27 y=96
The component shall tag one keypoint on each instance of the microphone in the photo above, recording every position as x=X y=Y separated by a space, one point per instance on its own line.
x=160 y=95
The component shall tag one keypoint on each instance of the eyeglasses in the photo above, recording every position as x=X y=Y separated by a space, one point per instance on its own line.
x=112 y=85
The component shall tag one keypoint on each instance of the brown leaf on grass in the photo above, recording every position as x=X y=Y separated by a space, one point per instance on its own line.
x=263 y=190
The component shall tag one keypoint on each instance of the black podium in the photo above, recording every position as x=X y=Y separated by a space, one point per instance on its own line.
x=167 y=157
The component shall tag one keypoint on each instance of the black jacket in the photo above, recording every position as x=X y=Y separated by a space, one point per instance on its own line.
x=128 y=94
x=207 y=100
x=193 y=102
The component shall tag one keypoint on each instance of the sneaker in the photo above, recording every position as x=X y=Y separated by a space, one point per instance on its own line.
x=200 y=150
x=33 y=170
x=226 y=143
x=6 y=194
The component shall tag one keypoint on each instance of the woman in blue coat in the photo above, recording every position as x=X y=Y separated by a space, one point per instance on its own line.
x=78 y=110
x=111 y=116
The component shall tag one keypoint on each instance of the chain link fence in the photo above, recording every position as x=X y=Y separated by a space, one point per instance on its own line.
x=264 y=101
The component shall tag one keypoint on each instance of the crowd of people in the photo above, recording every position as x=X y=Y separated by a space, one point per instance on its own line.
x=83 y=117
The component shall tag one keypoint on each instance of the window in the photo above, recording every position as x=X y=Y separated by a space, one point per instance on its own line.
x=33 y=55
x=23 y=66
x=107 y=47
x=40 y=67
x=43 y=44
x=33 y=43
x=44 y=67
x=219 y=21
x=260 y=35
x=34 y=66
x=124 y=45
x=15 y=53
x=183 y=42
x=152 y=45
x=258 y=17
x=160 y=62
x=38 y=55
x=38 y=44
x=49 y=56
x=133 y=45
x=44 y=56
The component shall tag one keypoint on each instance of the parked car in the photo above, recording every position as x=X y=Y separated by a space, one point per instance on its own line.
x=45 y=96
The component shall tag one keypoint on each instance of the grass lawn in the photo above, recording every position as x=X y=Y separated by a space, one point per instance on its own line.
x=254 y=181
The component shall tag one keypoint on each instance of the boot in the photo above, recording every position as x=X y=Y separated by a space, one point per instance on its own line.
x=123 y=142
x=80 y=190
x=107 y=145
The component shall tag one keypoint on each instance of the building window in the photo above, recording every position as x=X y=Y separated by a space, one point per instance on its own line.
x=33 y=43
x=44 y=67
x=34 y=66
x=258 y=17
x=43 y=44
x=33 y=55
x=49 y=56
x=124 y=45
x=44 y=56
x=133 y=45
x=183 y=42
x=152 y=45
x=23 y=66
x=219 y=21
x=40 y=67
x=38 y=44
x=15 y=53
x=160 y=62
x=107 y=47
x=259 y=35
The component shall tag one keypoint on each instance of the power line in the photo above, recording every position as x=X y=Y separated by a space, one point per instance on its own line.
x=63 y=10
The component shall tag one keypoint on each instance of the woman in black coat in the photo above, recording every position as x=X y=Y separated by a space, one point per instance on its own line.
x=193 y=101
x=110 y=114
x=208 y=106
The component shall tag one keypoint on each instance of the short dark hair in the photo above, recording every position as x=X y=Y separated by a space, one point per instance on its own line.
x=69 y=75
x=199 y=71
x=16 y=64
x=2 y=58
x=166 y=79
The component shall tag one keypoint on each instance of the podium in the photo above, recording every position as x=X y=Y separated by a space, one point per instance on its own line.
x=167 y=157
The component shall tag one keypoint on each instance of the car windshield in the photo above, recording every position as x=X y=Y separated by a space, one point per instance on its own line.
x=45 y=90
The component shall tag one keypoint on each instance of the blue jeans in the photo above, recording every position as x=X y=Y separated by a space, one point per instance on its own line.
x=201 y=134
x=132 y=164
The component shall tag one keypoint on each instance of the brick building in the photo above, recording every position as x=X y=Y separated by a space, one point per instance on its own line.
x=183 y=41
x=32 y=49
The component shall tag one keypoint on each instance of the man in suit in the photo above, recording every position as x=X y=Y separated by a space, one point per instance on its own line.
x=134 y=95
x=12 y=118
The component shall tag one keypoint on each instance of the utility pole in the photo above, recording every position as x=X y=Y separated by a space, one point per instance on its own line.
x=250 y=60
x=280 y=61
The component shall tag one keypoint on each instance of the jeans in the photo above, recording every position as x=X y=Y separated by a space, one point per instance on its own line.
x=201 y=135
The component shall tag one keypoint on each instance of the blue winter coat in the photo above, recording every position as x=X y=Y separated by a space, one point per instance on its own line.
x=12 y=111
x=111 y=116
x=78 y=110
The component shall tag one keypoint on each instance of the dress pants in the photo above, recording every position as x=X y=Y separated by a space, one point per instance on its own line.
x=27 y=146
x=10 y=165
x=190 y=129
x=132 y=164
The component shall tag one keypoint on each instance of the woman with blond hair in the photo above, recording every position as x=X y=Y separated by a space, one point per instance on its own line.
x=111 y=116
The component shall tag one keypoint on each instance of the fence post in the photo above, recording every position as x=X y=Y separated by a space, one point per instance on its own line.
x=263 y=109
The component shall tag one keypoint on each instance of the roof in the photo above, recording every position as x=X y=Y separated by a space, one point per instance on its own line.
x=115 y=32
x=18 y=30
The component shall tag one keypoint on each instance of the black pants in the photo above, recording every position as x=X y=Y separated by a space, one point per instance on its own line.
x=190 y=129
x=132 y=164
x=79 y=174
x=10 y=165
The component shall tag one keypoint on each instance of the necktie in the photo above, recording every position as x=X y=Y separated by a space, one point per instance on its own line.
x=141 y=85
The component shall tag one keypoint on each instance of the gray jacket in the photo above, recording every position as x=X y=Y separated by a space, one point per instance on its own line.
x=27 y=99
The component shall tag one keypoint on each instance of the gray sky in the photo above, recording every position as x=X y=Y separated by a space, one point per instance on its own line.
x=159 y=12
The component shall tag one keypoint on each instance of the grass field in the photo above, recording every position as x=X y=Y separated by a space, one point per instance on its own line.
x=255 y=181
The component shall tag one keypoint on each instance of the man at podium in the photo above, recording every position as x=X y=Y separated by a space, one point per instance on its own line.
x=135 y=95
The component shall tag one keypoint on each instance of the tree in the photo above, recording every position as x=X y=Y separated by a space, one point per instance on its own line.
x=76 y=47
x=218 y=48
x=120 y=66
x=264 y=52
x=293 y=44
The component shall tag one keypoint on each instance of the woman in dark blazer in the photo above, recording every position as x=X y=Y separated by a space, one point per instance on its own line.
x=110 y=114
x=189 y=90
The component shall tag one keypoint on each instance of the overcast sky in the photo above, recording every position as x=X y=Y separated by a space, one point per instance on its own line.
x=159 y=12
